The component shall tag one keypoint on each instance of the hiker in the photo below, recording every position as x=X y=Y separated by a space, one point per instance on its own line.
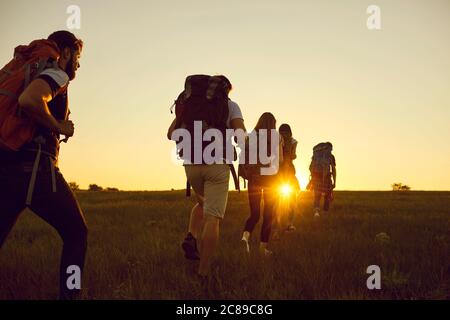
x=323 y=176
x=33 y=115
x=287 y=173
x=205 y=100
x=261 y=186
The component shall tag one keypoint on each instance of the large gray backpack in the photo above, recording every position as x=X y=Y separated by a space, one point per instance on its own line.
x=321 y=161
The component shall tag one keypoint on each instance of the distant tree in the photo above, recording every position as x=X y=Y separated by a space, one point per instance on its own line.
x=95 y=187
x=112 y=189
x=74 y=186
x=398 y=186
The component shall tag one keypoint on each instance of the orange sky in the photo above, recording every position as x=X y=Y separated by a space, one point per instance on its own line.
x=382 y=97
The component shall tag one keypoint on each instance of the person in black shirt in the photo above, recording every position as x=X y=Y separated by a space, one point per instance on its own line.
x=30 y=177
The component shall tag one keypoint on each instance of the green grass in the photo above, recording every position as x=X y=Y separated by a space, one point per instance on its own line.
x=134 y=250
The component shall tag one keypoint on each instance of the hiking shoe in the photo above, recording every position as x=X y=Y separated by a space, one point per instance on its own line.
x=276 y=236
x=189 y=246
x=245 y=245
x=290 y=228
x=266 y=253
x=316 y=213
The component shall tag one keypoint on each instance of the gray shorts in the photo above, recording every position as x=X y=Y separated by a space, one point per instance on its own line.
x=210 y=183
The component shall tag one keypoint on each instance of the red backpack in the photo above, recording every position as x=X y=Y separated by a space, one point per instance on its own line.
x=28 y=62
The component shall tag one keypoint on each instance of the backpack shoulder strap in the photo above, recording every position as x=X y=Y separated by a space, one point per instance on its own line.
x=235 y=177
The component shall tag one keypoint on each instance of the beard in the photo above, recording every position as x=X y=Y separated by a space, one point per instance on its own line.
x=70 y=70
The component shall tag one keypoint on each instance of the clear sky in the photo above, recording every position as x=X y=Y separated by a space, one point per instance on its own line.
x=381 y=96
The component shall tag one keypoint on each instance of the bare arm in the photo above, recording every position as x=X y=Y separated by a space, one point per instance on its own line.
x=294 y=151
x=34 y=100
x=333 y=170
x=280 y=149
x=238 y=124
x=171 y=129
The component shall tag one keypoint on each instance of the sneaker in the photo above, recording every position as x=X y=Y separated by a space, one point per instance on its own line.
x=290 y=228
x=275 y=236
x=189 y=246
x=245 y=245
x=266 y=253
x=316 y=213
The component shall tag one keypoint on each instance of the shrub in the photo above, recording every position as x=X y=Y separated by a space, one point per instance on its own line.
x=74 y=186
x=95 y=187
x=400 y=187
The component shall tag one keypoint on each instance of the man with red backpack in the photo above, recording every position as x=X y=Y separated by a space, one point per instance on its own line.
x=204 y=108
x=323 y=176
x=33 y=115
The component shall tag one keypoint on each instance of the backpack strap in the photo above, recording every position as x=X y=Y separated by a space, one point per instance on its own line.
x=4 y=70
x=39 y=141
x=8 y=94
x=5 y=74
x=235 y=178
x=33 y=176
x=40 y=67
x=188 y=189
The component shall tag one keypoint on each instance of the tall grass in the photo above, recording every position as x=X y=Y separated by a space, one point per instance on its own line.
x=134 y=250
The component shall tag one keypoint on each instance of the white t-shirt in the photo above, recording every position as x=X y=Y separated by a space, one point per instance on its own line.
x=234 y=112
x=58 y=75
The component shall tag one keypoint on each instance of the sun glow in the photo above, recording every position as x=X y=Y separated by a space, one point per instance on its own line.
x=285 y=190
x=303 y=180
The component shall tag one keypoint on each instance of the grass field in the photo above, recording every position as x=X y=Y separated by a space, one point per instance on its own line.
x=134 y=250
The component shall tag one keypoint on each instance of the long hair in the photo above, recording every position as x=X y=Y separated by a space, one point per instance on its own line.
x=268 y=122
x=226 y=81
x=285 y=131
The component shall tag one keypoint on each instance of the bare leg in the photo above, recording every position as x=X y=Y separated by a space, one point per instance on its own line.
x=195 y=222
x=210 y=237
x=263 y=248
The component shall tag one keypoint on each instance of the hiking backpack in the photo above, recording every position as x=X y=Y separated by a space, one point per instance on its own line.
x=28 y=62
x=245 y=170
x=321 y=160
x=205 y=98
x=249 y=170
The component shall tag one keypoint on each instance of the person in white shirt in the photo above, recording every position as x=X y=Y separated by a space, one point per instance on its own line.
x=210 y=184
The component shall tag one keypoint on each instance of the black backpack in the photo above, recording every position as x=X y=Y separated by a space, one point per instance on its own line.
x=205 y=98
x=249 y=170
